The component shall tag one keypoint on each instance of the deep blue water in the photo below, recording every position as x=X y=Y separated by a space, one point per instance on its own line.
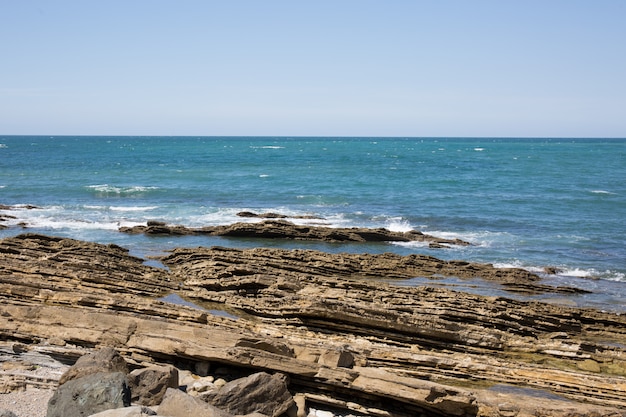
x=523 y=202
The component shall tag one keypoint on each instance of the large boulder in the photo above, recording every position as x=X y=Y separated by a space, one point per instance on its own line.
x=178 y=404
x=260 y=392
x=148 y=385
x=90 y=394
x=103 y=360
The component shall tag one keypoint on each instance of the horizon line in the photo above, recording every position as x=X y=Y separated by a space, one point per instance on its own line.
x=314 y=136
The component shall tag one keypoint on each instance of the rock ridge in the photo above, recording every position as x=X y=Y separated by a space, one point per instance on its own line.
x=282 y=229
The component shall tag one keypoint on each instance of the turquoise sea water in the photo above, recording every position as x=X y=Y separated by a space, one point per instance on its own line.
x=530 y=203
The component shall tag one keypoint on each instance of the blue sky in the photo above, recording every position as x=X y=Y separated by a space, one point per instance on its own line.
x=548 y=68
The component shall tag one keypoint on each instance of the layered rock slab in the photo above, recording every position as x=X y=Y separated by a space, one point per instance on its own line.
x=414 y=350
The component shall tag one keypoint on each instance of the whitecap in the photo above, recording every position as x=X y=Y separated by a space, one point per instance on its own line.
x=139 y=188
x=616 y=276
x=509 y=265
x=608 y=275
x=602 y=192
x=264 y=175
x=133 y=208
x=104 y=188
x=3 y=146
x=112 y=189
x=267 y=147
x=482 y=238
x=479 y=149
x=412 y=244
x=221 y=216
x=55 y=223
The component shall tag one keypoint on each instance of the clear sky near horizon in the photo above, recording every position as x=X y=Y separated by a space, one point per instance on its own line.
x=537 y=68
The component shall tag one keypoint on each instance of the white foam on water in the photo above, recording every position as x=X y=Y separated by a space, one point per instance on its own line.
x=112 y=189
x=616 y=276
x=267 y=147
x=54 y=223
x=398 y=224
x=564 y=271
x=603 y=192
x=479 y=149
x=482 y=238
x=133 y=208
x=520 y=265
x=593 y=273
x=59 y=218
x=414 y=244
x=576 y=272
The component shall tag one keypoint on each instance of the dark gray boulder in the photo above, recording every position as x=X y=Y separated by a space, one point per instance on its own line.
x=103 y=360
x=89 y=395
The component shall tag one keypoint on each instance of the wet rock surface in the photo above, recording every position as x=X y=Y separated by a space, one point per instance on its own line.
x=327 y=326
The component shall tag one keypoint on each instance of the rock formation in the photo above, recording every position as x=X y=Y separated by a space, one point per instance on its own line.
x=327 y=326
x=282 y=229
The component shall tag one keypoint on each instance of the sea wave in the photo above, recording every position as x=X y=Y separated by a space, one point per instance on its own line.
x=481 y=238
x=267 y=147
x=567 y=272
x=119 y=208
x=593 y=273
x=120 y=190
x=56 y=223
x=602 y=192
x=133 y=208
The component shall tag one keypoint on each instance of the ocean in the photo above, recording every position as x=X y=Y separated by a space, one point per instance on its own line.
x=529 y=203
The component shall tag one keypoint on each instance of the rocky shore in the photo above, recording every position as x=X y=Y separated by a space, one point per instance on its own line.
x=316 y=331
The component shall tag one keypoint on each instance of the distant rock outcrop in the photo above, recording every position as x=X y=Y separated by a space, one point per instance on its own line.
x=281 y=229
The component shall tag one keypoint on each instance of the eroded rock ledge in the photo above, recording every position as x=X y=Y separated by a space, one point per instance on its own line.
x=282 y=229
x=340 y=336
x=291 y=265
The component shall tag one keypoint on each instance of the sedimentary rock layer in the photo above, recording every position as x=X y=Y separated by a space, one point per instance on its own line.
x=219 y=262
x=340 y=335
